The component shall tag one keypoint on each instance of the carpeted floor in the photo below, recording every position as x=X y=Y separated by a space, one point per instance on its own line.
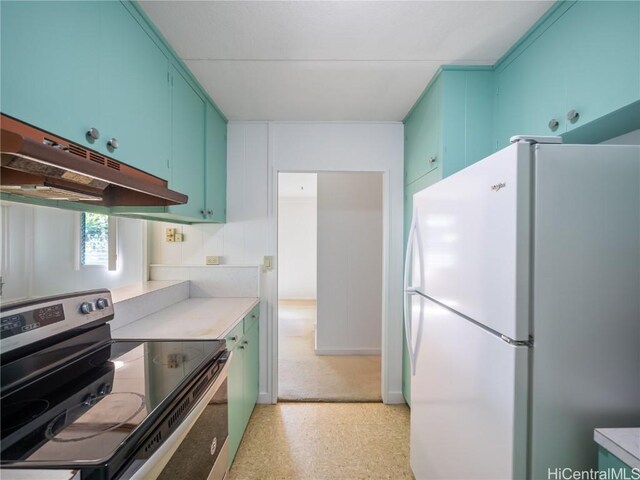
x=305 y=376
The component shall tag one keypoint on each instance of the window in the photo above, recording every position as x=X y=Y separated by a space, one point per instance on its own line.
x=97 y=244
x=94 y=239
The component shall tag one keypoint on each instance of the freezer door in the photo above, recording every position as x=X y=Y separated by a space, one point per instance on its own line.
x=468 y=402
x=475 y=235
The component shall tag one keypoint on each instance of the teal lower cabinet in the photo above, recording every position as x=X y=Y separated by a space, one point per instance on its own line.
x=607 y=461
x=243 y=378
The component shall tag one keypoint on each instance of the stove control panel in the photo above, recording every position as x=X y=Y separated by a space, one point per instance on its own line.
x=33 y=320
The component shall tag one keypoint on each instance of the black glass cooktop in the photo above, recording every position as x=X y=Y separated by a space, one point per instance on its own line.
x=85 y=410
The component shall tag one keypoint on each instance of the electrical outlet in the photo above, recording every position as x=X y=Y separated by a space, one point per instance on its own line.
x=213 y=260
x=171 y=234
x=267 y=263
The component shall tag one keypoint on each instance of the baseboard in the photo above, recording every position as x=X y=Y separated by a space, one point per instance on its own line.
x=348 y=351
x=264 y=398
x=395 y=398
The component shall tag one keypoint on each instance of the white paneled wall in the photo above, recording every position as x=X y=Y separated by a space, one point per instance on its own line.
x=39 y=245
x=297 y=248
x=242 y=240
x=349 y=318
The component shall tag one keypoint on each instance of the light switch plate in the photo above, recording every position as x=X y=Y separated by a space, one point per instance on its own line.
x=267 y=263
x=179 y=237
x=213 y=260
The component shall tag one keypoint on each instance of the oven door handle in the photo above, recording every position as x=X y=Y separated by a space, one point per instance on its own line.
x=154 y=465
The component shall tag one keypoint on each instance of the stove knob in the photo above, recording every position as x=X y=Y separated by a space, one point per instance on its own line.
x=102 y=303
x=89 y=399
x=104 y=389
x=86 y=308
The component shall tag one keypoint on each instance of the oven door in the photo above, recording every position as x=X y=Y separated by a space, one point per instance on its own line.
x=198 y=448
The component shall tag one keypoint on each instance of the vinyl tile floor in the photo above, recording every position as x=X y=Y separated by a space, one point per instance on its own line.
x=325 y=441
x=305 y=376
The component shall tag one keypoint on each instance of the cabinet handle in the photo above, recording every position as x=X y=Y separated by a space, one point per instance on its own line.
x=432 y=160
x=573 y=116
x=553 y=124
x=234 y=338
x=202 y=212
x=209 y=212
x=93 y=134
x=113 y=144
x=241 y=346
x=246 y=342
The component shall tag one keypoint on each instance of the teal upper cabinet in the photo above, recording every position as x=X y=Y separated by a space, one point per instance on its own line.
x=579 y=65
x=188 y=145
x=216 y=166
x=603 y=59
x=135 y=98
x=50 y=59
x=71 y=66
x=451 y=126
x=423 y=134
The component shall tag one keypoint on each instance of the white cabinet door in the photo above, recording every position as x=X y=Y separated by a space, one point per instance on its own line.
x=475 y=241
x=468 y=402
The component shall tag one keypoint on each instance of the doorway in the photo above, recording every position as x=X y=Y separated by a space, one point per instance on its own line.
x=330 y=229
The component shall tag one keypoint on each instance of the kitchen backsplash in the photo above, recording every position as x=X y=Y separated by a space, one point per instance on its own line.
x=213 y=281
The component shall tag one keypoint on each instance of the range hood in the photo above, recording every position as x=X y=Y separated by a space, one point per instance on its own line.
x=36 y=164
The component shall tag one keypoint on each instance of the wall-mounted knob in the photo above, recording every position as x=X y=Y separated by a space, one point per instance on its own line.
x=573 y=116
x=553 y=124
x=93 y=134
x=112 y=144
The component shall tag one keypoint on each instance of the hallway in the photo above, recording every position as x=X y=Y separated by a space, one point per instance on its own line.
x=305 y=376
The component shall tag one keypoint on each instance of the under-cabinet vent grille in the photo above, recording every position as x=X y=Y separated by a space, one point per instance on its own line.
x=151 y=444
x=177 y=414
x=94 y=157
x=76 y=150
x=113 y=164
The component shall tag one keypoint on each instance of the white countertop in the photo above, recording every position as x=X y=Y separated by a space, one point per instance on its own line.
x=624 y=443
x=193 y=318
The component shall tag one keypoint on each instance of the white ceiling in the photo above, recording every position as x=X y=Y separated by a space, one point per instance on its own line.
x=297 y=185
x=333 y=60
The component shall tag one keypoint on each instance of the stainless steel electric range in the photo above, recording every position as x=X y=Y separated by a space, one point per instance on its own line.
x=77 y=404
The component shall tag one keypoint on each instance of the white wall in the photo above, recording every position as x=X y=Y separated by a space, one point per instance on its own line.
x=349 y=320
x=40 y=245
x=297 y=247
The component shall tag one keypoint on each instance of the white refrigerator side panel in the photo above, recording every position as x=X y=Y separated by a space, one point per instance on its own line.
x=475 y=241
x=468 y=402
x=586 y=293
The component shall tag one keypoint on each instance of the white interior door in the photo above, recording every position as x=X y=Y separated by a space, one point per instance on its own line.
x=475 y=236
x=468 y=402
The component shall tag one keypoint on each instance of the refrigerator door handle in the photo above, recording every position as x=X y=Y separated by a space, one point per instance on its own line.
x=409 y=290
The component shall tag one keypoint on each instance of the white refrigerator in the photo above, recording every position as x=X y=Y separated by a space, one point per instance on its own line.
x=522 y=311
